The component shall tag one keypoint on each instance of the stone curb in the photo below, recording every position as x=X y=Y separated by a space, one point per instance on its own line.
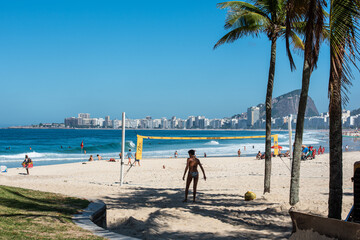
x=84 y=220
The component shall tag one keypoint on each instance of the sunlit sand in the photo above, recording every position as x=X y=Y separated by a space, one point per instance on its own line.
x=149 y=205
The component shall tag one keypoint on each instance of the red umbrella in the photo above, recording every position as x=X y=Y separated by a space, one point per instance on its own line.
x=279 y=147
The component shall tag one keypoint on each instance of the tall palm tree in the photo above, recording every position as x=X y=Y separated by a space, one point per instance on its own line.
x=250 y=19
x=344 y=35
x=313 y=14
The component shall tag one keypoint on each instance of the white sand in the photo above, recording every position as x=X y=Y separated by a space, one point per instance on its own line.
x=149 y=205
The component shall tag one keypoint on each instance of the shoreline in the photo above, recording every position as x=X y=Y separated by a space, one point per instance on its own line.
x=156 y=129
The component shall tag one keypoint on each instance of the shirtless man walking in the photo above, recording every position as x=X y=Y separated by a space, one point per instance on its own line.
x=191 y=165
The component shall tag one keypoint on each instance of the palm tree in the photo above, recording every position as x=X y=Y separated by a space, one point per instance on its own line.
x=344 y=35
x=313 y=15
x=262 y=16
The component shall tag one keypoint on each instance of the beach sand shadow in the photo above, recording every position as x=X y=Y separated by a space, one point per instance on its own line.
x=259 y=218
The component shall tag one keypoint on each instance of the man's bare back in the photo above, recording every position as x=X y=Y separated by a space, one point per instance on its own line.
x=193 y=163
x=191 y=166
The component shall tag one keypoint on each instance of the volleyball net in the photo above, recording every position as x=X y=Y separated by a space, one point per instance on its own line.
x=140 y=141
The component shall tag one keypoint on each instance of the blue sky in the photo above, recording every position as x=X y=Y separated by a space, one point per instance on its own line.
x=59 y=58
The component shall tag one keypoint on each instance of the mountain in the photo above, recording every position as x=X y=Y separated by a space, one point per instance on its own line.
x=288 y=104
x=355 y=112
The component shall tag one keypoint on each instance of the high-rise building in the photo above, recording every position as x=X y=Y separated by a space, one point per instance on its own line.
x=190 y=122
x=164 y=123
x=84 y=115
x=253 y=114
x=108 y=123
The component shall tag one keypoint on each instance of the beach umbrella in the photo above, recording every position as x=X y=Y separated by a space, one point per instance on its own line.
x=279 y=147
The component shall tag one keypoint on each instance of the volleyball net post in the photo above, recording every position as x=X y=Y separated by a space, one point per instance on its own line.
x=140 y=141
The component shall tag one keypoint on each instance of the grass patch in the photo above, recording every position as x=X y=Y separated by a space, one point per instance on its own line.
x=28 y=214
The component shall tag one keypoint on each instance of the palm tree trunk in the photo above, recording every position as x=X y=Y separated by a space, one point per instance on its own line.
x=268 y=103
x=295 y=169
x=335 y=137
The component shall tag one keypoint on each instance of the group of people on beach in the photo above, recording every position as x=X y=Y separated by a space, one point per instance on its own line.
x=129 y=156
x=310 y=152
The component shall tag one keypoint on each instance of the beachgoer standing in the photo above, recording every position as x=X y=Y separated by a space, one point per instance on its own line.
x=239 y=152
x=191 y=165
x=27 y=163
x=244 y=148
x=347 y=147
x=91 y=158
x=175 y=154
x=129 y=155
x=99 y=157
x=205 y=155
x=136 y=160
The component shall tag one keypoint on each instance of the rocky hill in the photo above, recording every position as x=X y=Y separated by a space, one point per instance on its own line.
x=355 y=112
x=288 y=104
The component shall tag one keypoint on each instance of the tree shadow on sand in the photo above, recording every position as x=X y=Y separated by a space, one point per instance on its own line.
x=259 y=218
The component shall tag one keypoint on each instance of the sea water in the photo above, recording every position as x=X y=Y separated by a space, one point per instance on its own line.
x=58 y=146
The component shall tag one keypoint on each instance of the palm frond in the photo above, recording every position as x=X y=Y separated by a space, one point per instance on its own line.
x=235 y=6
x=250 y=30
x=344 y=37
x=313 y=14
x=244 y=18
x=296 y=41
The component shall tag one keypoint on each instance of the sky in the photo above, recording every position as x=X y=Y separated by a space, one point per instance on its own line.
x=145 y=58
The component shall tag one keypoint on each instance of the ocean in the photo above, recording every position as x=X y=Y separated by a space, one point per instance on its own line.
x=58 y=146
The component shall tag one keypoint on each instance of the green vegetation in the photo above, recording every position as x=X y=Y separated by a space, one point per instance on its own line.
x=28 y=214
x=250 y=19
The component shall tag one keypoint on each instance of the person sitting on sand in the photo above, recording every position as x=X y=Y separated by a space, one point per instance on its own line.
x=287 y=154
x=191 y=165
x=258 y=156
x=99 y=157
x=91 y=158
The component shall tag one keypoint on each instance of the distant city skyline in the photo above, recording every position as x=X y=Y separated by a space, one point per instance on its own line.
x=248 y=120
x=60 y=58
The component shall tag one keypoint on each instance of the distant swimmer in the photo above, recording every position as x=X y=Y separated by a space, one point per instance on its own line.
x=191 y=165
x=99 y=157
x=244 y=148
x=239 y=152
x=30 y=148
x=61 y=147
x=175 y=154
x=84 y=151
x=129 y=155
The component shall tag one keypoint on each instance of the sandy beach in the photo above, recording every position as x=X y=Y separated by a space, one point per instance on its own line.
x=149 y=205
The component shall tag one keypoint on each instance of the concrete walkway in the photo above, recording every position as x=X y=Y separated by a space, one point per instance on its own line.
x=84 y=221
